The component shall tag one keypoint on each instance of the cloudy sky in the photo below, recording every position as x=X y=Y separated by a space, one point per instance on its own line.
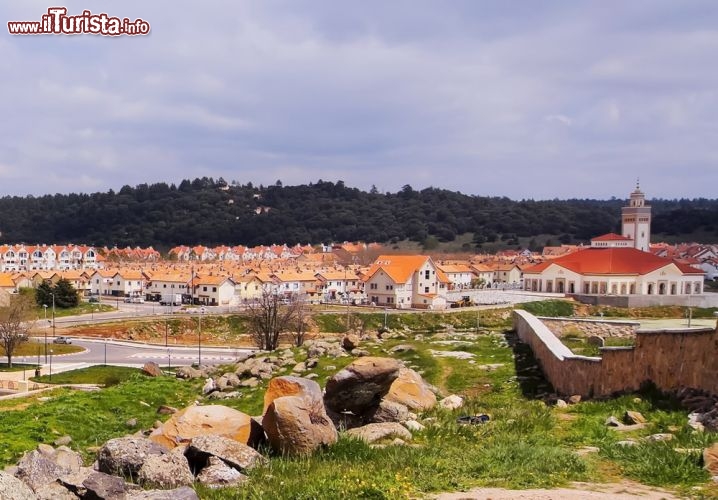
x=525 y=99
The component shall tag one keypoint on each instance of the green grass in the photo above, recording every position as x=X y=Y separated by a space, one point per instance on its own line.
x=33 y=349
x=82 y=308
x=550 y=308
x=90 y=418
x=104 y=375
x=581 y=347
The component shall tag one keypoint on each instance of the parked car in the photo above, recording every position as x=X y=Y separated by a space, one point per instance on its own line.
x=94 y=300
x=62 y=340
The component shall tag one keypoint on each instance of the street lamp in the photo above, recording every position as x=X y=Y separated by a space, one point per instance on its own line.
x=199 y=342
x=169 y=359
x=45 y=306
x=50 y=365
x=386 y=311
x=23 y=367
x=105 y=351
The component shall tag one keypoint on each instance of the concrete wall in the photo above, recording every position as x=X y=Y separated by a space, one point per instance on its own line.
x=590 y=327
x=669 y=358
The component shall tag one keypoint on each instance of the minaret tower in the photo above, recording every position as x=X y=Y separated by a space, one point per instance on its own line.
x=636 y=220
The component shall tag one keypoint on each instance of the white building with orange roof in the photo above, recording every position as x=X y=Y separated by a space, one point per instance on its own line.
x=101 y=282
x=404 y=281
x=128 y=283
x=168 y=282
x=215 y=290
x=340 y=284
x=460 y=275
x=484 y=275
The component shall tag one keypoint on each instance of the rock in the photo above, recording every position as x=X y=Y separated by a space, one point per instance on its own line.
x=359 y=352
x=299 y=424
x=575 y=399
x=401 y=348
x=238 y=455
x=587 y=450
x=350 y=341
x=694 y=422
x=183 y=493
x=361 y=385
x=299 y=368
x=250 y=382
x=12 y=488
x=74 y=481
x=131 y=423
x=290 y=386
x=653 y=438
x=165 y=471
x=103 y=486
x=125 y=455
x=410 y=390
x=52 y=491
x=560 y=403
x=45 y=449
x=710 y=459
x=222 y=383
x=209 y=386
x=596 y=341
x=67 y=459
x=613 y=422
x=311 y=363
x=387 y=411
x=218 y=474
x=202 y=420
x=633 y=417
x=232 y=379
x=371 y=433
x=452 y=402
x=63 y=441
x=187 y=372
x=166 y=410
x=37 y=469
x=414 y=426
x=627 y=442
x=152 y=369
x=452 y=354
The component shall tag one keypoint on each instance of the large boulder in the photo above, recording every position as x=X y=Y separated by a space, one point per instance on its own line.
x=350 y=341
x=238 y=455
x=188 y=372
x=12 y=488
x=166 y=471
x=102 y=486
x=152 y=369
x=126 y=455
x=290 y=386
x=410 y=390
x=52 y=491
x=202 y=420
x=361 y=385
x=372 y=433
x=44 y=466
x=296 y=424
x=710 y=459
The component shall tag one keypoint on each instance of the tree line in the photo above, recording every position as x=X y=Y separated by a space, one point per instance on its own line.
x=215 y=212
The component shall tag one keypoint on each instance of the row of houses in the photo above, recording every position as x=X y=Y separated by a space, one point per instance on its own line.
x=20 y=257
x=391 y=281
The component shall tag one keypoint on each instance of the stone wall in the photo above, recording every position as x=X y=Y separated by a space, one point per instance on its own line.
x=670 y=359
x=702 y=300
x=591 y=327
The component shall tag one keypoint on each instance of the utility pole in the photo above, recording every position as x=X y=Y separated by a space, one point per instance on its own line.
x=199 y=342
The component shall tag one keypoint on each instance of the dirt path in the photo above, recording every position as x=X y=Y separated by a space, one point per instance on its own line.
x=619 y=491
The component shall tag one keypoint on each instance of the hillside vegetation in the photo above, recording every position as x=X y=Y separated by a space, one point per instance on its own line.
x=215 y=212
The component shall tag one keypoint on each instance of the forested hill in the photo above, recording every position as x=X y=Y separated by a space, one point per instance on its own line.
x=212 y=212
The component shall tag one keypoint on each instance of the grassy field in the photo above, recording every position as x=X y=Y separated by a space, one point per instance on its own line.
x=526 y=443
x=82 y=308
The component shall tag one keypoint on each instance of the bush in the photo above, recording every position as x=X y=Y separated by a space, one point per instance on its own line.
x=550 y=308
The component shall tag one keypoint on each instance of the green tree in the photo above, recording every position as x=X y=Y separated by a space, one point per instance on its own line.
x=65 y=295
x=43 y=294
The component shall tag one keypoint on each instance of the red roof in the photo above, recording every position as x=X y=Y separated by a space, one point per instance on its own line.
x=611 y=237
x=612 y=261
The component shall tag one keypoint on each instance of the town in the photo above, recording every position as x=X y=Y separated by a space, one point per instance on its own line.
x=611 y=266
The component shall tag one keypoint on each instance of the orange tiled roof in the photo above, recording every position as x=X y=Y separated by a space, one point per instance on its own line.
x=398 y=267
x=624 y=261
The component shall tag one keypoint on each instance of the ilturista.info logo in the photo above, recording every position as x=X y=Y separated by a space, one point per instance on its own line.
x=57 y=22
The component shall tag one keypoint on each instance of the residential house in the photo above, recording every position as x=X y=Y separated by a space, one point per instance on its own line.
x=460 y=276
x=215 y=290
x=403 y=281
